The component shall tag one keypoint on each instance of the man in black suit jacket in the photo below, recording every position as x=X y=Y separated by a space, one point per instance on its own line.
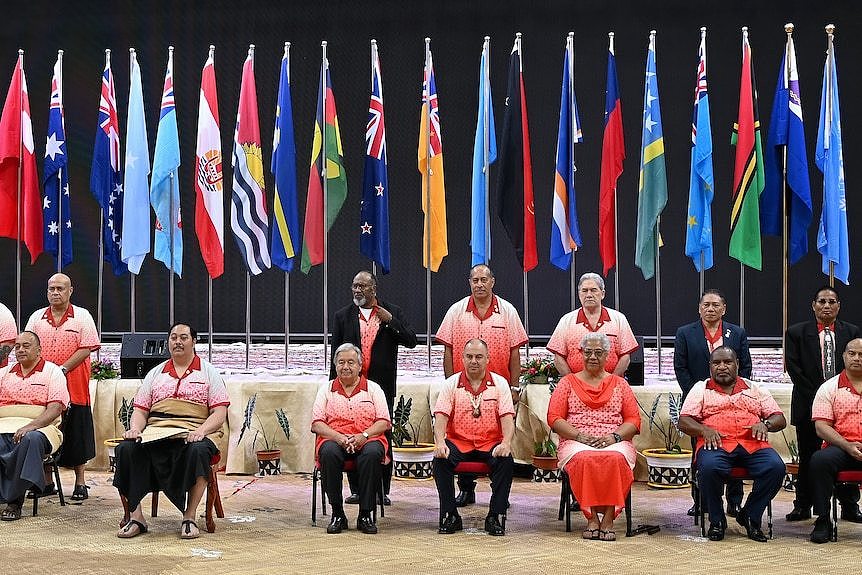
x=691 y=350
x=804 y=357
x=385 y=323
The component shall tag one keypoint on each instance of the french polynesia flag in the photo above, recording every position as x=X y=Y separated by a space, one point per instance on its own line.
x=613 y=154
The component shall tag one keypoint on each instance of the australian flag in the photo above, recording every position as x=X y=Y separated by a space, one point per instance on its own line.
x=374 y=210
x=106 y=181
x=56 y=203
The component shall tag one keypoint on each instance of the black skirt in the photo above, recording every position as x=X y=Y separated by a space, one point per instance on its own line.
x=79 y=442
x=171 y=466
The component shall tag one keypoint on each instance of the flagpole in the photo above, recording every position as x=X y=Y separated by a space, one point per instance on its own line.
x=486 y=90
x=616 y=218
x=785 y=211
x=427 y=183
x=373 y=62
x=702 y=273
x=658 y=291
x=323 y=69
x=742 y=265
x=830 y=36
x=286 y=274
x=100 y=289
x=60 y=170
x=18 y=206
x=570 y=56
x=132 y=297
x=526 y=284
x=248 y=275
x=209 y=277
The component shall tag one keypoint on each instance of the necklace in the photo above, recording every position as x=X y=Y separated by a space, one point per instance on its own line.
x=476 y=402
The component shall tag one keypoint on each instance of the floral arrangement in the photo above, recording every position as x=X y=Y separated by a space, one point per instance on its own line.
x=269 y=442
x=539 y=369
x=100 y=370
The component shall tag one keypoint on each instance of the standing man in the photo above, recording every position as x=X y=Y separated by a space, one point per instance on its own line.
x=812 y=355
x=495 y=321
x=8 y=332
x=377 y=328
x=694 y=342
x=474 y=421
x=731 y=418
x=68 y=336
x=592 y=316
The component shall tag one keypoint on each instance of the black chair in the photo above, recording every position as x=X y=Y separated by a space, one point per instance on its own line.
x=50 y=461
x=847 y=477
x=567 y=508
x=349 y=465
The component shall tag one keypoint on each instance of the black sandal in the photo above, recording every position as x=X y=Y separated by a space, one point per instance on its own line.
x=79 y=494
x=12 y=512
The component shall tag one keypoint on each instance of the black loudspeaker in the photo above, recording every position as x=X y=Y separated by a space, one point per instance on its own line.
x=635 y=371
x=141 y=352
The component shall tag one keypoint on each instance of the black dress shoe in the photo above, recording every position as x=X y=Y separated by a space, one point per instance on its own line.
x=733 y=509
x=822 y=530
x=465 y=498
x=337 y=524
x=716 y=532
x=352 y=499
x=450 y=524
x=492 y=525
x=754 y=533
x=852 y=515
x=799 y=514
x=366 y=524
x=693 y=511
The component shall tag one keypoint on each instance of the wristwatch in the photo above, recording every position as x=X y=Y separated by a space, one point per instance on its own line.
x=64 y=370
x=617 y=437
x=766 y=423
x=365 y=434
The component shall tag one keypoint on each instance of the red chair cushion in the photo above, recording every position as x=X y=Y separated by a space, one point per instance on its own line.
x=849 y=476
x=472 y=467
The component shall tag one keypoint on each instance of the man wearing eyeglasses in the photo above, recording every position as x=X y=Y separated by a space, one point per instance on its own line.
x=377 y=328
x=812 y=355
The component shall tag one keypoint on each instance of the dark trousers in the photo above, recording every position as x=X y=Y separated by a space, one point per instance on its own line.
x=810 y=444
x=332 y=457
x=733 y=488
x=501 y=478
x=21 y=465
x=765 y=466
x=387 y=471
x=824 y=466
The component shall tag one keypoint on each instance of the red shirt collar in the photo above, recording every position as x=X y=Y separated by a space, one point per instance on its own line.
x=70 y=312
x=18 y=370
x=844 y=381
x=604 y=316
x=493 y=308
x=738 y=387
x=337 y=387
x=712 y=338
x=195 y=365
x=821 y=327
x=464 y=382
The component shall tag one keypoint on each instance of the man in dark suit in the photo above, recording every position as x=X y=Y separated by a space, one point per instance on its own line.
x=691 y=350
x=812 y=354
x=377 y=328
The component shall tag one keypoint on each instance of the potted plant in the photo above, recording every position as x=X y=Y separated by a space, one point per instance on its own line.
x=412 y=459
x=268 y=458
x=124 y=414
x=540 y=369
x=792 y=473
x=668 y=466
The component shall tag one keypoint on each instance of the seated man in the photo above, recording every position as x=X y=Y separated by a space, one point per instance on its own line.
x=731 y=418
x=33 y=394
x=350 y=418
x=474 y=421
x=176 y=425
x=837 y=421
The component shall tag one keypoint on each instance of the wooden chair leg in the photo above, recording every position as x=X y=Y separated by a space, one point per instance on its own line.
x=154 y=508
x=213 y=486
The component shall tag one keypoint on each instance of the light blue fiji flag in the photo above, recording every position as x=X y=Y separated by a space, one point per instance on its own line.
x=832 y=241
x=57 y=222
x=786 y=133
x=698 y=237
x=136 y=200
x=285 y=216
x=484 y=144
x=164 y=189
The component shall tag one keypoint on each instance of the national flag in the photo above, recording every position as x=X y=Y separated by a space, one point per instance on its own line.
x=105 y=175
x=652 y=187
x=832 y=240
x=136 y=197
x=786 y=136
x=209 y=182
x=248 y=217
x=326 y=148
x=374 y=210
x=748 y=174
x=57 y=217
x=698 y=235
x=164 y=187
x=17 y=149
x=515 y=172
x=435 y=243
x=285 y=215
x=613 y=154
x=565 y=231
x=484 y=154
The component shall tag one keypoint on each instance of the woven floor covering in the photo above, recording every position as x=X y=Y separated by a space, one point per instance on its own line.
x=267 y=529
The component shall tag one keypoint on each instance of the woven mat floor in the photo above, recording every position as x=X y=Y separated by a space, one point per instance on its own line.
x=267 y=529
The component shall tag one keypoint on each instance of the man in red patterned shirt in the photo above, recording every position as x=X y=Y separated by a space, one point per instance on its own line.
x=474 y=421
x=838 y=422
x=731 y=418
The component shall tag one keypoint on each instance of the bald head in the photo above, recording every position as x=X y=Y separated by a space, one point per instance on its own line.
x=59 y=291
x=853 y=358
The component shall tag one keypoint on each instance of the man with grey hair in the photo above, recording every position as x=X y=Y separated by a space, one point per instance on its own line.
x=592 y=316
